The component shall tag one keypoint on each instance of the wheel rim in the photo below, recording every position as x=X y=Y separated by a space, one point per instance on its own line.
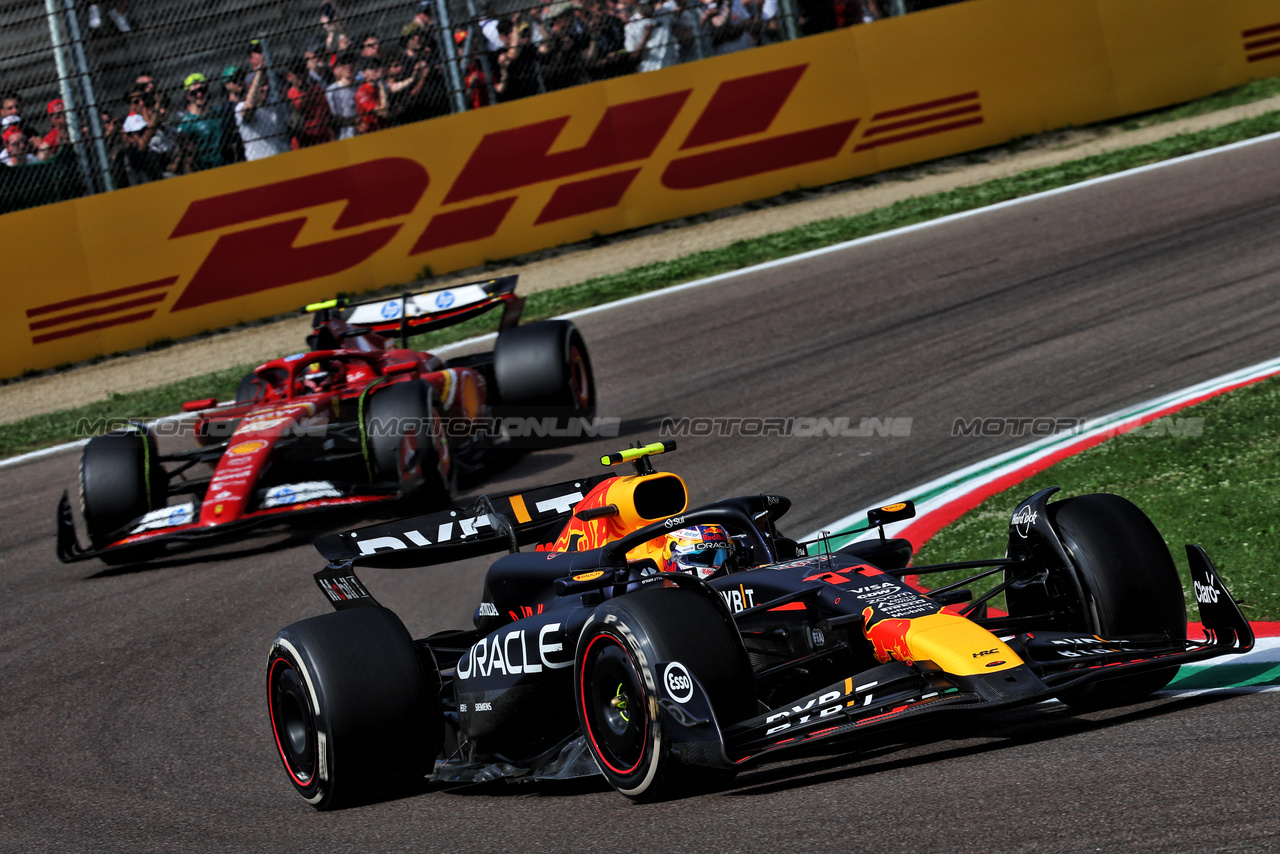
x=579 y=379
x=292 y=721
x=613 y=705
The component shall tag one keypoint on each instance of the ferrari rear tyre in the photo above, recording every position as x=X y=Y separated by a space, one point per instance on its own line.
x=403 y=442
x=543 y=370
x=120 y=479
x=1130 y=586
x=353 y=707
x=616 y=687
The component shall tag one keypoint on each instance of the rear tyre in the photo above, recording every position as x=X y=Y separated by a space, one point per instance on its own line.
x=121 y=478
x=353 y=707
x=543 y=370
x=1130 y=586
x=616 y=687
x=403 y=442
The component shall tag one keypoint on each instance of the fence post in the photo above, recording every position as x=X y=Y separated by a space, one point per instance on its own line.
x=91 y=100
x=450 y=54
x=68 y=101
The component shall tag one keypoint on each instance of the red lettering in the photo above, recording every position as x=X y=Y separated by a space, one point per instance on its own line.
x=262 y=258
x=461 y=226
x=744 y=106
x=509 y=159
x=581 y=197
x=756 y=158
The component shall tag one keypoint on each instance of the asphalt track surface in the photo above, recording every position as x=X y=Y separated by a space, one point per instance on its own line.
x=132 y=713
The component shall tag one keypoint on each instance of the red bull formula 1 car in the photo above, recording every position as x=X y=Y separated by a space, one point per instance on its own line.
x=587 y=657
x=353 y=422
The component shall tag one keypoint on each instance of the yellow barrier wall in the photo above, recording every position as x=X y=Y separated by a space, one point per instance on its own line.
x=112 y=272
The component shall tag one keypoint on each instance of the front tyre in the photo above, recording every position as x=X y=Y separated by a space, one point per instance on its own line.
x=1130 y=587
x=121 y=478
x=616 y=687
x=352 y=706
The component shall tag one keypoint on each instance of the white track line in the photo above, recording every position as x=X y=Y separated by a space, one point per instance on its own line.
x=791 y=259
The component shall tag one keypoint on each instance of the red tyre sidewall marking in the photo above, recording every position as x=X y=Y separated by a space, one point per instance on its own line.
x=582 y=698
x=271 y=707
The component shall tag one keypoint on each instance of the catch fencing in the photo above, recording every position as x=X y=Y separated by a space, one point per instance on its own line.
x=104 y=95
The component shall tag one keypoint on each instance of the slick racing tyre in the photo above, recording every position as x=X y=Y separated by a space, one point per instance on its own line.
x=353 y=708
x=542 y=370
x=1130 y=587
x=616 y=687
x=403 y=442
x=120 y=479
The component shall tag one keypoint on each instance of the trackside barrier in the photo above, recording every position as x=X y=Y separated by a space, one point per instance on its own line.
x=114 y=271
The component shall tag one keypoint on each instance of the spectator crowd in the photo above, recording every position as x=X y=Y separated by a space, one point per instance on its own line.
x=340 y=86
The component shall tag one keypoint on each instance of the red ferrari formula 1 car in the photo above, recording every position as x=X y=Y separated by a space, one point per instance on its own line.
x=353 y=422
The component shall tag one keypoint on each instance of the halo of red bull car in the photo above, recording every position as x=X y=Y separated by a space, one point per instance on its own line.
x=622 y=634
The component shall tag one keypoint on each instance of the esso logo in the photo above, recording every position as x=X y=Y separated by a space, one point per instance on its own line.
x=678 y=682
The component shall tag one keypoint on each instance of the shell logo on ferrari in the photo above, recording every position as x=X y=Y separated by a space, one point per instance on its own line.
x=250 y=447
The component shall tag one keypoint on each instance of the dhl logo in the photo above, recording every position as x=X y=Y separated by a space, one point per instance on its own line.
x=1261 y=42
x=733 y=138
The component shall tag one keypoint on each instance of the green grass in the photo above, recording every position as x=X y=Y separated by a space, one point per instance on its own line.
x=1220 y=489
x=44 y=430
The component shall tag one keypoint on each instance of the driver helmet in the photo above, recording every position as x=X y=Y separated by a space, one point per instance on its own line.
x=702 y=550
x=316 y=378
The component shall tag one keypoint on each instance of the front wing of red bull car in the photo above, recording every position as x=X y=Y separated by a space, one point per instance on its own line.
x=593 y=659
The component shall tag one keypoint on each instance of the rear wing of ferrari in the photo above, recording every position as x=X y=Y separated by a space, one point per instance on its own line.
x=414 y=313
x=490 y=525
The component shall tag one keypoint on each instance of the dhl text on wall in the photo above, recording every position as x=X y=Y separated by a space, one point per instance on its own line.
x=113 y=272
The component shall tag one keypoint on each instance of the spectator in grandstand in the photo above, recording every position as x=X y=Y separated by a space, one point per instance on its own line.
x=650 y=41
x=17 y=152
x=563 y=50
x=517 y=65
x=489 y=29
x=262 y=118
x=45 y=151
x=341 y=96
x=317 y=68
x=424 y=19
x=154 y=138
x=312 y=123
x=475 y=84
x=336 y=39
x=58 y=133
x=202 y=127
x=372 y=100
x=233 y=94
x=370 y=47
x=606 y=56
x=139 y=163
x=850 y=12
x=10 y=111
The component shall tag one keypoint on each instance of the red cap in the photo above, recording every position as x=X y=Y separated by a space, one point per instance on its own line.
x=13 y=131
x=56 y=106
